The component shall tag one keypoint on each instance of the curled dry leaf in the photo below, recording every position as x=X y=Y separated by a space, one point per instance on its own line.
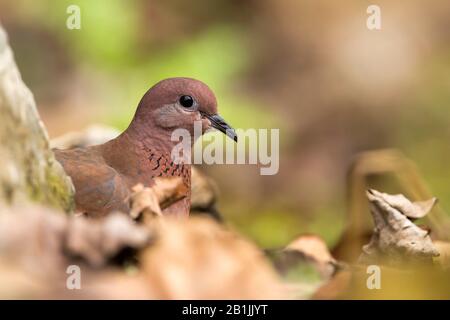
x=413 y=210
x=312 y=246
x=396 y=238
x=149 y=202
x=169 y=190
x=305 y=250
x=305 y=264
x=144 y=201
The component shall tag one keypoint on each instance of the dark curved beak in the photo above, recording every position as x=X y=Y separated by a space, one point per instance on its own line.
x=217 y=122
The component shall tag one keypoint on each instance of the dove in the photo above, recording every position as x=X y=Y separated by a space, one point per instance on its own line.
x=104 y=175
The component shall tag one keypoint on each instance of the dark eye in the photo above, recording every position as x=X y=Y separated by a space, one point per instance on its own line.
x=186 y=101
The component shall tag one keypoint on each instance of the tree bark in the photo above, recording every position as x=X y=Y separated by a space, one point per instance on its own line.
x=28 y=170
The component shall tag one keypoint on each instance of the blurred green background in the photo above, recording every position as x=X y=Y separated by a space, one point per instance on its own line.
x=310 y=68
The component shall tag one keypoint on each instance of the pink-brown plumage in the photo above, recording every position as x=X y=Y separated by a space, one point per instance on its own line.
x=103 y=175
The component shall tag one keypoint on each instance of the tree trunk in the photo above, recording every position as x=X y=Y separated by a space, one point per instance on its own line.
x=28 y=169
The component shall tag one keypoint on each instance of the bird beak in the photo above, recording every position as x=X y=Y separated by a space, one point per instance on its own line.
x=217 y=122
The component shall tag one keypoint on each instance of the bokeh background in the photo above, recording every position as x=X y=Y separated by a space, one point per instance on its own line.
x=310 y=68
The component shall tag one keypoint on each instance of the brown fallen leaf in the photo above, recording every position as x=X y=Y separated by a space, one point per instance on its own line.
x=305 y=263
x=44 y=239
x=413 y=210
x=312 y=246
x=37 y=244
x=98 y=240
x=148 y=203
x=315 y=249
x=144 y=201
x=396 y=239
x=195 y=258
x=200 y=259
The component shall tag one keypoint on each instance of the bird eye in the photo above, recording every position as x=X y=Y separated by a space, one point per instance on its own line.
x=186 y=101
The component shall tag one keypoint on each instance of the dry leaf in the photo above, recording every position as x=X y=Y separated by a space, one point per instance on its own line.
x=37 y=245
x=149 y=202
x=169 y=190
x=195 y=258
x=199 y=259
x=304 y=264
x=396 y=238
x=44 y=239
x=413 y=210
x=312 y=246
x=98 y=240
x=144 y=201
x=204 y=192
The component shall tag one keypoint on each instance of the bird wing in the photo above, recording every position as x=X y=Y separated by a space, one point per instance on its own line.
x=98 y=187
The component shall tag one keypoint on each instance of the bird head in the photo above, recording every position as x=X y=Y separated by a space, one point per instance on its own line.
x=178 y=103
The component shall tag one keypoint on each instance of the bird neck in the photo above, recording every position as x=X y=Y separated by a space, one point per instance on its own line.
x=143 y=156
x=147 y=137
